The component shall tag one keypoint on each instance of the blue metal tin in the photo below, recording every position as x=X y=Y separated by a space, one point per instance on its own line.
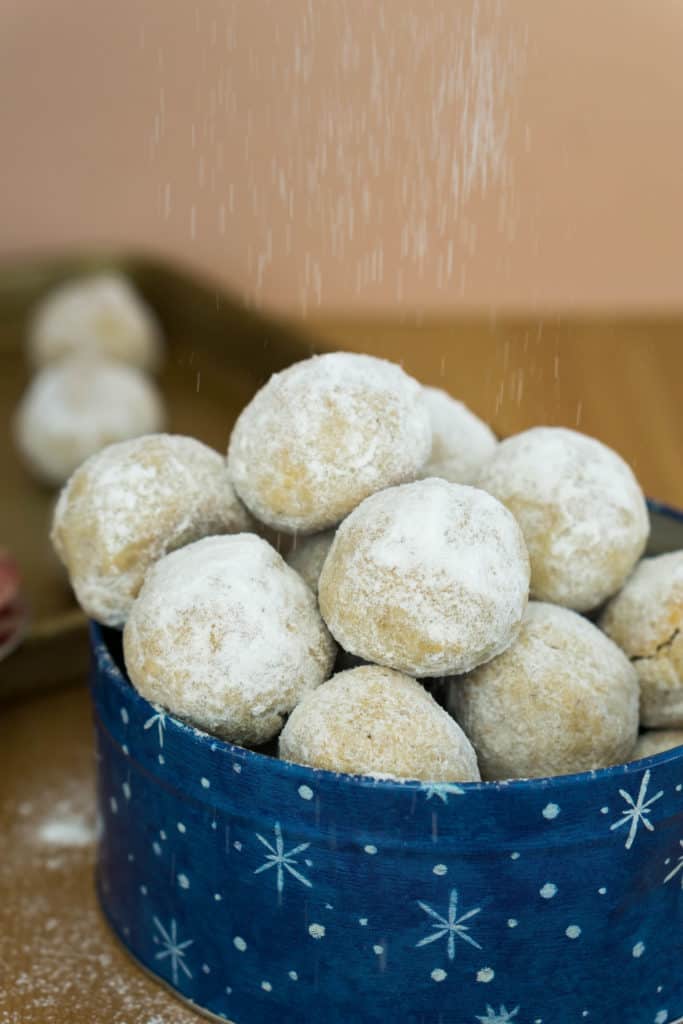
x=264 y=891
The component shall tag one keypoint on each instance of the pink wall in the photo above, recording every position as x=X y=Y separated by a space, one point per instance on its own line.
x=366 y=154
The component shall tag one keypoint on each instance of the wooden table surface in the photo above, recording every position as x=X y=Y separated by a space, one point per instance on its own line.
x=58 y=962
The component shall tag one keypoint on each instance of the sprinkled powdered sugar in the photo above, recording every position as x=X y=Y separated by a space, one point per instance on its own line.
x=646 y=620
x=130 y=504
x=461 y=443
x=429 y=578
x=227 y=636
x=67 y=830
x=583 y=515
x=307 y=555
x=374 y=721
x=563 y=698
x=100 y=315
x=77 y=406
x=323 y=435
x=61 y=941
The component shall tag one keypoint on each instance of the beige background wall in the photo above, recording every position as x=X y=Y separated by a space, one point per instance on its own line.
x=356 y=154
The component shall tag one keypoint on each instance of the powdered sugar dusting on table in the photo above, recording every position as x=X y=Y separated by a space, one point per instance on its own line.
x=47 y=858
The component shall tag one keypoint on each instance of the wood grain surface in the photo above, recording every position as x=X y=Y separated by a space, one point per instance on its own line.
x=622 y=382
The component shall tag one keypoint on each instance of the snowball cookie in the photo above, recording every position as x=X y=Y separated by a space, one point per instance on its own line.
x=323 y=435
x=430 y=578
x=656 y=742
x=646 y=620
x=563 y=698
x=583 y=515
x=77 y=406
x=99 y=314
x=225 y=635
x=308 y=556
x=132 y=503
x=373 y=721
x=461 y=442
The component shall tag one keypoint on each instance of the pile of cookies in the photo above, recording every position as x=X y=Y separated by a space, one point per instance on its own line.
x=92 y=344
x=485 y=604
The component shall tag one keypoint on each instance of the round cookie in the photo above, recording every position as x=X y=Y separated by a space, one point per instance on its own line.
x=101 y=315
x=583 y=515
x=646 y=620
x=226 y=636
x=308 y=555
x=374 y=721
x=656 y=742
x=79 y=405
x=323 y=435
x=563 y=698
x=132 y=503
x=429 y=578
x=461 y=442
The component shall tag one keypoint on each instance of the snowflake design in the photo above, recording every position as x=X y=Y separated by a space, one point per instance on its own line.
x=638 y=810
x=282 y=860
x=679 y=867
x=504 y=1016
x=442 y=790
x=159 y=719
x=173 y=949
x=451 y=925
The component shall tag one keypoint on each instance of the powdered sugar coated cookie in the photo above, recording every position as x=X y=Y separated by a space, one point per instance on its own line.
x=374 y=721
x=323 y=435
x=101 y=315
x=461 y=444
x=583 y=515
x=430 y=578
x=132 y=503
x=226 y=636
x=563 y=698
x=646 y=620
x=77 y=406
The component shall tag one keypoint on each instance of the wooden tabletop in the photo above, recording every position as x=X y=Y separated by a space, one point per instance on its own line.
x=59 y=963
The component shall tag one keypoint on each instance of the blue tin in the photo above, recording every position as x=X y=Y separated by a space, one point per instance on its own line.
x=264 y=891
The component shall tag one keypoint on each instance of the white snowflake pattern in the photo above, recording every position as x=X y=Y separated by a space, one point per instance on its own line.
x=638 y=810
x=173 y=949
x=158 y=719
x=451 y=925
x=442 y=790
x=503 y=1016
x=282 y=860
x=679 y=867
